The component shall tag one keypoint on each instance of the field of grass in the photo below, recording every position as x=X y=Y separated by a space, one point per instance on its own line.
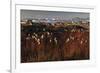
x=41 y=42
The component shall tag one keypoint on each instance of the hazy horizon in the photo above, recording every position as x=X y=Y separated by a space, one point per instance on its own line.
x=30 y=14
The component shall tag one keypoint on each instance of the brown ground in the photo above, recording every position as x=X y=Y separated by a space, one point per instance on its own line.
x=71 y=44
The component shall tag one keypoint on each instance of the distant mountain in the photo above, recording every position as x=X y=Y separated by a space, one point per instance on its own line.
x=77 y=19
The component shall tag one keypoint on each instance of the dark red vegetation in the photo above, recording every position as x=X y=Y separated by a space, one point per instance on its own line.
x=54 y=44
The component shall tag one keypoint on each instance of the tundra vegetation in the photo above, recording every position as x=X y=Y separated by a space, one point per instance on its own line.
x=57 y=41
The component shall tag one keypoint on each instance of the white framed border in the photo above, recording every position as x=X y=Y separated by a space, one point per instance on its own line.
x=17 y=67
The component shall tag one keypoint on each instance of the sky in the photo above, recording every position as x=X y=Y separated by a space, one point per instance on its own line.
x=30 y=14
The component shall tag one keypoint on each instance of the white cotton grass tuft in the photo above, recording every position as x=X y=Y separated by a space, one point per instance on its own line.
x=67 y=40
